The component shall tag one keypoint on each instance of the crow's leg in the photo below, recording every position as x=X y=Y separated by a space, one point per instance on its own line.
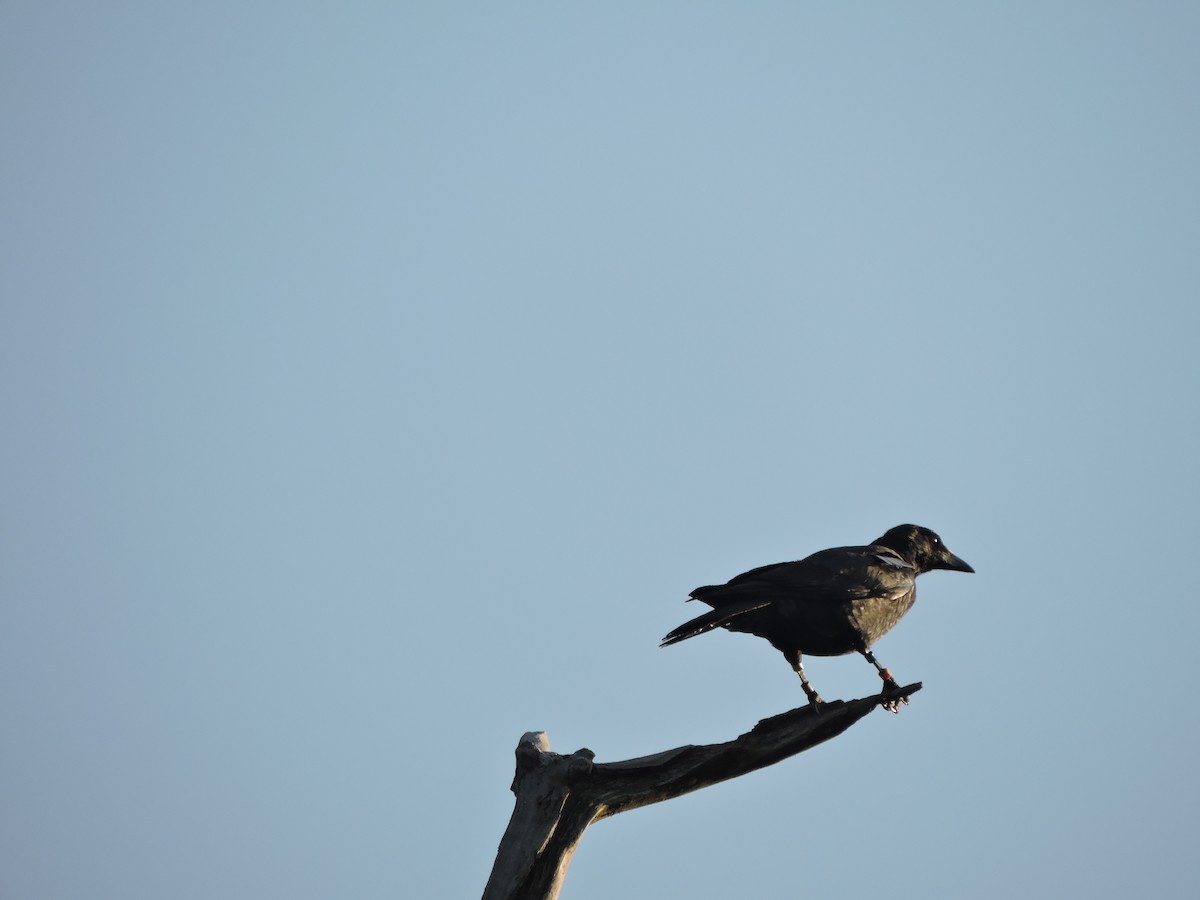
x=814 y=699
x=889 y=683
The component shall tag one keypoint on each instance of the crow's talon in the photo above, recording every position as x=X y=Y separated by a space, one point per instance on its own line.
x=893 y=704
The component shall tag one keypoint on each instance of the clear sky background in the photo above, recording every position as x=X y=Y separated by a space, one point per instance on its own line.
x=378 y=379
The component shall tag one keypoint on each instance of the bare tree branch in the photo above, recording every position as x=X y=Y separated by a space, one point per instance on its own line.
x=558 y=796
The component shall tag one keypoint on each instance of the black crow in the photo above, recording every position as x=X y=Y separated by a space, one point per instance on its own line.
x=834 y=602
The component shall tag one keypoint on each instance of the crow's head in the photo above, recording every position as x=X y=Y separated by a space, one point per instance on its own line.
x=922 y=548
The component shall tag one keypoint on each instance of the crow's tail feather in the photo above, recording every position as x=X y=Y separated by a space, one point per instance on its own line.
x=714 y=618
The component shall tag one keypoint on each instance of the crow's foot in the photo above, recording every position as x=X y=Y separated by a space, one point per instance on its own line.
x=889 y=684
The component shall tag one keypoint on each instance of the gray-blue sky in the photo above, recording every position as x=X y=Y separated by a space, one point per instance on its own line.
x=376 y=383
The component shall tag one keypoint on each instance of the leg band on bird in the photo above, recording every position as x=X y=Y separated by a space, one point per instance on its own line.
x=885 y=674
x=809 y=691
x=889 y=683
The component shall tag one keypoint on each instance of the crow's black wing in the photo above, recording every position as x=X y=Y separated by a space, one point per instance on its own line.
x=838 y=575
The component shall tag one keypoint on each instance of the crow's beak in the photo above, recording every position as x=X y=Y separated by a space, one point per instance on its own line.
x=952 y=562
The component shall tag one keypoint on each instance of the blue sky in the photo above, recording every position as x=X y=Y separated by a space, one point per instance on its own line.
x=377 y=382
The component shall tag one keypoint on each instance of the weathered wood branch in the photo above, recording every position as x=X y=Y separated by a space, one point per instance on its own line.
x=558 y=796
